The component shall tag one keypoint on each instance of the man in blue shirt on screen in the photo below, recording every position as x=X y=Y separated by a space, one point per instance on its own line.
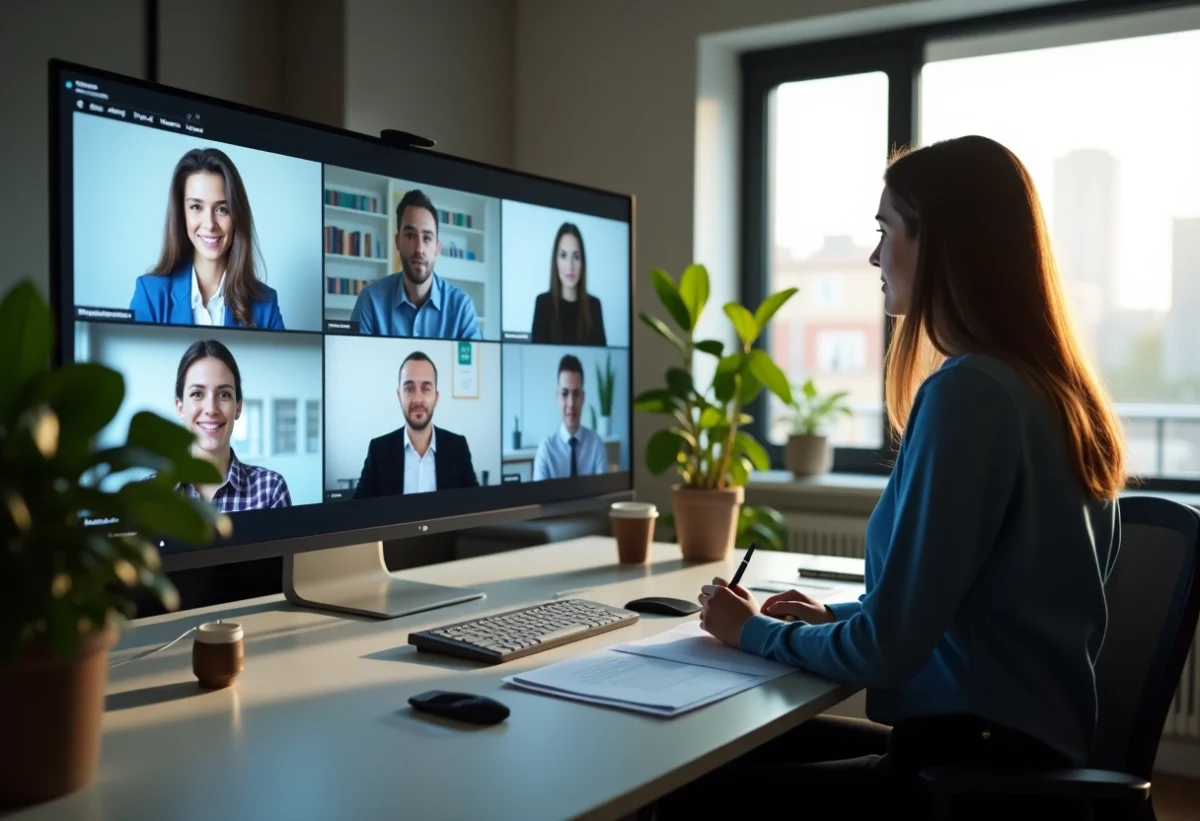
x=572 y=450
x=416 y=301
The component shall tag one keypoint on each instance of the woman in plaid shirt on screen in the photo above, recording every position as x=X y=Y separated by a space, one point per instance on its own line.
x=208 y=398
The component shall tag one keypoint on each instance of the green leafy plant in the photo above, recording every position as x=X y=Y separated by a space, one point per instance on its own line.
x=516 y=424
x=592 y=417
x=705 y=445
x=810 y=411
x=60 y=578
x=605 y=382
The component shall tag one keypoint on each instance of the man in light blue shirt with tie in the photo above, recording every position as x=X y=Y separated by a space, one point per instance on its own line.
x=416 y=301
x=572 y=450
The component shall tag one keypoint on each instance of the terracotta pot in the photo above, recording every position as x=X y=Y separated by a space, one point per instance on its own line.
x=50 y=712
x=808 y=455
x=706 y=521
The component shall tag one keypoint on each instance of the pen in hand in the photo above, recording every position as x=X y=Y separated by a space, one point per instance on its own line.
x=737 y=577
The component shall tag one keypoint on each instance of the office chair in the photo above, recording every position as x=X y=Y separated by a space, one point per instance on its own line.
x=1153 y=595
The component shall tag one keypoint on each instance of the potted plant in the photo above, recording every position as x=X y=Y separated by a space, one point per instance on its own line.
x=516 y=433
x=808 y=452
x=65 y=586
x=605 y=381
x=704 y=444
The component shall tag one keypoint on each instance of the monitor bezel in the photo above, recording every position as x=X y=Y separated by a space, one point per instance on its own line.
x=565 y=496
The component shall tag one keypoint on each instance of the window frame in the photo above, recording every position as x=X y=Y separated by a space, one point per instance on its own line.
x=900 y=54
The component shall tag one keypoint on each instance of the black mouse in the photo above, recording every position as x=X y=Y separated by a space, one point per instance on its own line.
x=466 y=707
x=663 y=606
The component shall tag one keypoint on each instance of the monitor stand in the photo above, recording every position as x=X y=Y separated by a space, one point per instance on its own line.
x=355 y=579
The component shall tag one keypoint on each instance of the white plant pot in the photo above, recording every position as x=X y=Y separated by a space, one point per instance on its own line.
x=606 y=426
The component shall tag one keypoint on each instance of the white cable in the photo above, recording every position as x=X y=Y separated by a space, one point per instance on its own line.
x=151 y=652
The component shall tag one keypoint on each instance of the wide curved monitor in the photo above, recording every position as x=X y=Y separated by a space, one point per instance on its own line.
x=370 y=341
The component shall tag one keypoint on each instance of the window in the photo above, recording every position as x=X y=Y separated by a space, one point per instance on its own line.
x=1099 y=103
x=247 y=437
x=285 y=427
x=312 y=426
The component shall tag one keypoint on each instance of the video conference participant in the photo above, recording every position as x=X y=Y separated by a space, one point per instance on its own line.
x=567 y=313
x=206 y=274
x=416 y=301
x=419 y=457
x=572 y=450
x=208 y=399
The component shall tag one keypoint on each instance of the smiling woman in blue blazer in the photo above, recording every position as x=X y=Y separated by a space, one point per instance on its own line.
x=206 y=272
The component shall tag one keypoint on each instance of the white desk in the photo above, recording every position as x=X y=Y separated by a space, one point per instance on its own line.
x=318 y=726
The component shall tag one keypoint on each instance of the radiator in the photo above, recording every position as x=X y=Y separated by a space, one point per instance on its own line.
x=846 y=536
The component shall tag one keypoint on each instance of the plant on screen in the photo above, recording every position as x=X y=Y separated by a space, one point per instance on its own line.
x=705 y=445
x=58 y=578
x=606 y=380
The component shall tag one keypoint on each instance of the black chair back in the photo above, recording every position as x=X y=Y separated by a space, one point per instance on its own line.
x=1153 y=595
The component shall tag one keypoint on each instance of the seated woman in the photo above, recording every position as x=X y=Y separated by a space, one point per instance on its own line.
x=987 y=554
x=208 y=399
x=567 y=314
x=206 y=272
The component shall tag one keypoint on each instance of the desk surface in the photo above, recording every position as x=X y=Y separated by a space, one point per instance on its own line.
x=318 y=726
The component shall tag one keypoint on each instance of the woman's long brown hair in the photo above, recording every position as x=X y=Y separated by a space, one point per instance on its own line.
x=986 y=282
x=241 y=282
x=556 y=297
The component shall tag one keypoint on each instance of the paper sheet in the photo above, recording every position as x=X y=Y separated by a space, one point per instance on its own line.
x=690 y=644
x=635 y=682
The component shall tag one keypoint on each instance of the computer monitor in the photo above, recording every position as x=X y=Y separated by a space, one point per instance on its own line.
x=371 y=341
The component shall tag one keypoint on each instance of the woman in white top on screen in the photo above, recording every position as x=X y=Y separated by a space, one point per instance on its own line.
x=206 y=272
x=567 y=313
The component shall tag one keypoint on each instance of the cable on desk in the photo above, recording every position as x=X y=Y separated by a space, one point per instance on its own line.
x=152 y=651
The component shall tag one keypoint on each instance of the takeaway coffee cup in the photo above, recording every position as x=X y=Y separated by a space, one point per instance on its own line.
x=633 y=528
x=218 y=654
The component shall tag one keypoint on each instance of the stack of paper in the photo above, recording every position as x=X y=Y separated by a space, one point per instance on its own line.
x=666 y=675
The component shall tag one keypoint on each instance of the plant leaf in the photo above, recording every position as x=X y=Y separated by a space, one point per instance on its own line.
x=751 y=387
x=158 y=435
x=714 y=347
x=693 y=290
x=767 y=372
x=656 y=401
x=743 y=322
x=662 y=451
x=158 y=510
x=26 y=338
x=710 y=417
x=679 y=382
x=85 y=395
x=772 y=304
x=739 y=474
x=747 y=445
x=668 y=294
x=723 y=379
x=663 y=330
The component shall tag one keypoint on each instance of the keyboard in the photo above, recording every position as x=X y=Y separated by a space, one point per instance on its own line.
x=507 y=636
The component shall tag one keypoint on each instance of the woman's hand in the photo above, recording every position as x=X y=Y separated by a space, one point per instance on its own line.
x=796 y=606
x=725 y=610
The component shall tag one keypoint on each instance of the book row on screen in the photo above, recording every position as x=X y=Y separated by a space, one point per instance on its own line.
x=232 y=236
x=295 y=419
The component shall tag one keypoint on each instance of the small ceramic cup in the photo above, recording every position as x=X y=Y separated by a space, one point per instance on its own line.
x=218 y=653
x=633 y=528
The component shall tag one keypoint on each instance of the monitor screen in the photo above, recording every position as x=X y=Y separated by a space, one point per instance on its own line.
x=369 y=341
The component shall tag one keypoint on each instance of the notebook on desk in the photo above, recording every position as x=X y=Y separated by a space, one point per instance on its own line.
x=666 y=675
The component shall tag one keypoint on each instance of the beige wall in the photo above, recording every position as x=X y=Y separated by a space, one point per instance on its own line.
x=606 y=94
x=442 y=70
x=103 y=33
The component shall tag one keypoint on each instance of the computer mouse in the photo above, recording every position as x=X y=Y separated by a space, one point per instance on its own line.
x=468 y=707
x=663 y=606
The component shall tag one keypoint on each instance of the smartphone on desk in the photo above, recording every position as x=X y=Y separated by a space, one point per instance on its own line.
x=832 y=568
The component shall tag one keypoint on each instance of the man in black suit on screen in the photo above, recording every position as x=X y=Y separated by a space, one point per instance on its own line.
x=419 y=457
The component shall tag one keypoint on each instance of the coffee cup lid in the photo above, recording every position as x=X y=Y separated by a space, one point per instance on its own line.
x=633 y=510
x=219 y=632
